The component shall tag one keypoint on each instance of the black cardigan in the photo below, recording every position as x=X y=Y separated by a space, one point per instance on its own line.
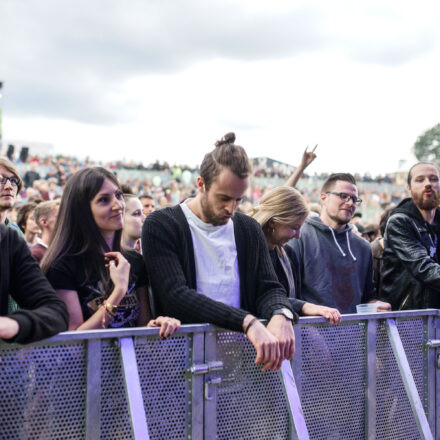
x=42 y=312
x=169 y=256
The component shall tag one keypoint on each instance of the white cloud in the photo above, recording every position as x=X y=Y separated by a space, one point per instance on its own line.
x=164 y=80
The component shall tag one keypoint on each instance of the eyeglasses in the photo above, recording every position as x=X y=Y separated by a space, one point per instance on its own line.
x=346 y=197
x=14 y=181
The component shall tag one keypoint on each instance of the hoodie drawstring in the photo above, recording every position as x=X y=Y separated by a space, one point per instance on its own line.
x=349 y=248
x=339 y=247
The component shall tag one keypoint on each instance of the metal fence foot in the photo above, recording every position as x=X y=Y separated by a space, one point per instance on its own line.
x=408 y=380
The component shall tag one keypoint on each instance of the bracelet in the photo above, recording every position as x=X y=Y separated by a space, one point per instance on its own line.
x=251 y=323
x=109 y=310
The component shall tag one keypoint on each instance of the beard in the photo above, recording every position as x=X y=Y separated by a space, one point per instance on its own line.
x=426 y=203
x=209 y=213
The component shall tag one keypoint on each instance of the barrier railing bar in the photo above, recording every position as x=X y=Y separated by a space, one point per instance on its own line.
x=197 y=381
x=299 y=430
x=93 y=400
x=429 y=361
x=371 y=380
x=379 y=315
x=133 y=388
x=195 y=328
x=408 y=381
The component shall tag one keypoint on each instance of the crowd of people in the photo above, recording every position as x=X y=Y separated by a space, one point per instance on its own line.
x=82 y=247
x=45 y=177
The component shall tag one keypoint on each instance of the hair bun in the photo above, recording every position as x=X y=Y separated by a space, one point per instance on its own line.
x=228 y=138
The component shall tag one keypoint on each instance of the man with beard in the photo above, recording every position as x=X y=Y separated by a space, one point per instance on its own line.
x=334 y=266
x=209 y=263
x=411 y=269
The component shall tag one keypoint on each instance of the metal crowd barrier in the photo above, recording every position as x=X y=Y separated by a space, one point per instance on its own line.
x=372 y=376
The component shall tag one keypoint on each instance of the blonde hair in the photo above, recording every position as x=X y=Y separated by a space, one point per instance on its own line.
x=44 y=210
x=282 y=205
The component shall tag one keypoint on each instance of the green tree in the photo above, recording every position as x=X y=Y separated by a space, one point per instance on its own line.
x=427 y=146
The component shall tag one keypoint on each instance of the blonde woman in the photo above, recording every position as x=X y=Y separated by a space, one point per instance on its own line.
x=281 y=212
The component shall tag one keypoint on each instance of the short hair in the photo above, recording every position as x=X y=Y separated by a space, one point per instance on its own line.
x=283 y=205
x=127 y=189
x=5 y=163
x=129 y=196
x=335 y=177
x=225 y=155
x=145 y=196
x=44 y=210
x=408 y=179
x=23 y=213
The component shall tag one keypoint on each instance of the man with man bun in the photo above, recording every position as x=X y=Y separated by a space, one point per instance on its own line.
x=209 y=263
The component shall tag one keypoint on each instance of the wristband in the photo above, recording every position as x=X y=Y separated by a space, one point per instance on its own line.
x=110 y=310
x=251 y=323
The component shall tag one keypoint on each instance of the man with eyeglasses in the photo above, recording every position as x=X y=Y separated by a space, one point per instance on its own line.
x=410 y=275
x=42 y=313
x=334 y=266
x=10 y=186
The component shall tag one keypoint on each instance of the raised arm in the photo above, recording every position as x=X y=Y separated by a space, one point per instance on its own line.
x=307 y=158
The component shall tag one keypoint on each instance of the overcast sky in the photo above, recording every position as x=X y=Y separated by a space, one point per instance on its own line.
x=164 y=79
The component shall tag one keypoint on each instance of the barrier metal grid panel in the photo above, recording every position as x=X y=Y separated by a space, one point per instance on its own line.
x=394 y=417
x=332 y=383
x=165 y=386
x=42 y=392
x=115 y=417
x=250 y=403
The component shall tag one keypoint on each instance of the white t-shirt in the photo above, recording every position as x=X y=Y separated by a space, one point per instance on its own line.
x=216 y=261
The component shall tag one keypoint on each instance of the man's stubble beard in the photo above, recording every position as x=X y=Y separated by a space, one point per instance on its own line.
x=209 y=214
x=338 y=221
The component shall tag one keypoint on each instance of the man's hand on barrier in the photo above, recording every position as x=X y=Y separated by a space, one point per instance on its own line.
x=8 y=327
x=266 y=345
x=382 y=306
x=282 y=329
x=167 y=325
x=329 y=313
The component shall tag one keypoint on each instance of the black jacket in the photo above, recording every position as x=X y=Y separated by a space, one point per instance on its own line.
x=410 y=271
x=42 y=313
x=169 y=256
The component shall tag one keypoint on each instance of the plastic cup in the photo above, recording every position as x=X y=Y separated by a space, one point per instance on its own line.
x=367 y=308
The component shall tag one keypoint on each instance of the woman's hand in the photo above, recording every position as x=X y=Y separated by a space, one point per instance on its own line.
x=119 y=269
x=329 y=313
x=167 y=325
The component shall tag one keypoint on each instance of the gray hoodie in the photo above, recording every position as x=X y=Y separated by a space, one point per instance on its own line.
x=333 y=268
